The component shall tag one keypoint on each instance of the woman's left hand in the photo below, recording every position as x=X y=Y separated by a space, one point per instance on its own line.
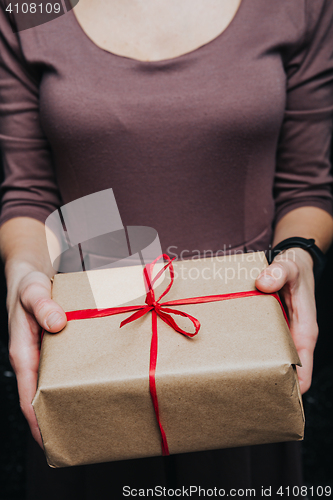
x=291 y=274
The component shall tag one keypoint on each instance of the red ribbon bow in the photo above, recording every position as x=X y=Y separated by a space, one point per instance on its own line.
x=158 y=309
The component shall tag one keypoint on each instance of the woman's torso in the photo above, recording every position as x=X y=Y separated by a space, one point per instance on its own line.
x=188 y=144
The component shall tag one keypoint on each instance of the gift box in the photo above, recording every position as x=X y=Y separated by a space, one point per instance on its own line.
x=109 y=393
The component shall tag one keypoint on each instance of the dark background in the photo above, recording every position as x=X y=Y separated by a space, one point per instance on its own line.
x=318 y=403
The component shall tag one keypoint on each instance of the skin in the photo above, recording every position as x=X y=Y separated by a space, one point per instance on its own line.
x=186 y=26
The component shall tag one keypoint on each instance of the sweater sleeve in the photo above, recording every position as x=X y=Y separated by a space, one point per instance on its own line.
x=29 y=187
x=303 y=168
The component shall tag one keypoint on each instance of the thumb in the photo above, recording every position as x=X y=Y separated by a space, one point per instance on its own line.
x=36 y=298
x=275 y=276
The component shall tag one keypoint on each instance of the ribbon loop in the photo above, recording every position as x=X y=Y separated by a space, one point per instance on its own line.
x=171 y=322
x=153 y=304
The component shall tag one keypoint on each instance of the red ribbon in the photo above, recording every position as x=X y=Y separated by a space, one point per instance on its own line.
x=158 y=309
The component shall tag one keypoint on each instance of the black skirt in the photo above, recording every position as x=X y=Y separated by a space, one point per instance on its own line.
x=227 y=472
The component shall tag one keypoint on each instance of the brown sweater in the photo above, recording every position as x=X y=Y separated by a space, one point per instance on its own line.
x=209 y=148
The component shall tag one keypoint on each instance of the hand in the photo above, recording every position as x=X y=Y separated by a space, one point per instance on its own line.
x=29 y=309
x=291 y=273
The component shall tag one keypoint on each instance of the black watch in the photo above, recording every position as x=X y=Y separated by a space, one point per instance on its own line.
x=319 y=259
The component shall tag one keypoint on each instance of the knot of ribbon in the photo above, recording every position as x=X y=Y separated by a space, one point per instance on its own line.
x=155 y=306
x=160 y=310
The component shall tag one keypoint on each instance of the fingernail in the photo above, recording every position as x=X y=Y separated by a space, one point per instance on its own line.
x=53 y=319
x=267 y=279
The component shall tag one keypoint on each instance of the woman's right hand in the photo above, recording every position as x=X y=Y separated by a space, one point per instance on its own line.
x=30 y=309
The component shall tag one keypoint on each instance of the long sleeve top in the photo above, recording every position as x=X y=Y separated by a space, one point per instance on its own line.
x=210 y=148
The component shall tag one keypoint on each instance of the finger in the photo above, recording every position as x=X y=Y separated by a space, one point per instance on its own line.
x=275 y=276
x=304 y=330
x=305 y=371
x=24 y=358
x=35 y=297
x=26 y=384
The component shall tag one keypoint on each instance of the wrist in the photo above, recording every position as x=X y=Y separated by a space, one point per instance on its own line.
x=300 y=256
x=309 y=246
x=15 y=272
x=16 y=267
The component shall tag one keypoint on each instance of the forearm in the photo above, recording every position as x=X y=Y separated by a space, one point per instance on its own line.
x=23 y=249
x=28 y=270
x=306 y=222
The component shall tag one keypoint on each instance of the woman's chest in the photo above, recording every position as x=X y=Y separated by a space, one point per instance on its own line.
x=101 y=99
x=232 y=87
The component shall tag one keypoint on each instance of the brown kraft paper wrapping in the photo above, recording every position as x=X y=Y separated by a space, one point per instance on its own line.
x=234 y=384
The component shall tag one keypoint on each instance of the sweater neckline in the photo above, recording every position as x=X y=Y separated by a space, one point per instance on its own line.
x=228 y=30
